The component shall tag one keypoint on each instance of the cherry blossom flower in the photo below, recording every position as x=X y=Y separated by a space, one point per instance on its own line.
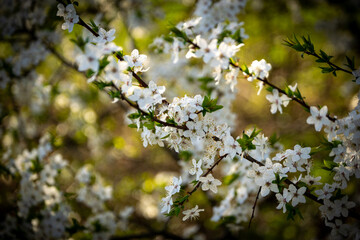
x=196 y=169
x=166 y=203
x=356 y=74
x=193 y=213
x=325 y=192
x=318 y=118
x=175 y=186
x=297 y=195
x=105 y=36
x=276 y=101
x=115 y=72
x=259 y=69
x=283 y=199
x=343 y=205
x=209 y=182
x=329 y=209
x=90 y=59
x=136 y=61
x=69 y=15
x=206 y=51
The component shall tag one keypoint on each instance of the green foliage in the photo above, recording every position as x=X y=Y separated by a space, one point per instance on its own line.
x=329 y=165
x=75 y=227
x=93 y=26
x=210 y=105
x=245 y=69
x=180 y=34
x=273 y=139
x=279 y=182
x=292 y=212
x=230 y=178
x=185 y=155
x=171 y=121
x=205 y=84
x=101 y=85
x=350 y=63
x=246 y=141
x=306 y=46
x=175 y=211
x=36 y=166
x=80 y=42
x=133 y=116
x=103 y=63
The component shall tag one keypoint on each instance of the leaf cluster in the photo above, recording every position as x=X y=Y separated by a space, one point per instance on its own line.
x=246 y=141
x=210 y=105
x=305 y=46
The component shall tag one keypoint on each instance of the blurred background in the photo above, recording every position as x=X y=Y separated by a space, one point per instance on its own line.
x=89 y=129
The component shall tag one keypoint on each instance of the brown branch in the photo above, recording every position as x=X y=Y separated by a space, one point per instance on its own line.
x=136 y=76
x=265 y=81
x=246 y=156
x=328 y=62
x=253 y=208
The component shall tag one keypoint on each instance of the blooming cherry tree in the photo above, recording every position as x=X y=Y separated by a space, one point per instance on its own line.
x=195 y=124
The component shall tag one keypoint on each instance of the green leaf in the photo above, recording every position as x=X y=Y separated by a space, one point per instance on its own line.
x=273 y=139
x=292 y=212
x=89 y=73
x=194 y=182
x=229 y=179
x=210 y=105
x=179 y=33
x=171 y=121
x=150 y=125
x=134 y=115
x=75 y=227
x=102 y=85
x=103 y=63
x=180 y=200
x=298 y=95
x=330 y=165
x=288 y=91
x=80 y=42
x=245 y=69
x=185 y=155
x=36 y=166
x=93 y=26
x=324 y=56
x=350 y=63
x=246 y=140
x=326 y=69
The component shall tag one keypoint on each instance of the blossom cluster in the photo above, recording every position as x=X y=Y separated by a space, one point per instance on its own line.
x=38 y=171
x=69 y=15
x=198 y=124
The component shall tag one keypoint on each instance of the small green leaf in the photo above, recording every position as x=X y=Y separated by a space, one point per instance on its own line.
x=134 y=115
x=350 y=63
x=229 y=179
x=132 y=125
x=210 y=105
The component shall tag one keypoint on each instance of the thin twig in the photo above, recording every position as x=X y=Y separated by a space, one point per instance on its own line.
x=328 y=62
x=253 y=208
x=265 y=81
x=204 y=175
x=246 y=156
